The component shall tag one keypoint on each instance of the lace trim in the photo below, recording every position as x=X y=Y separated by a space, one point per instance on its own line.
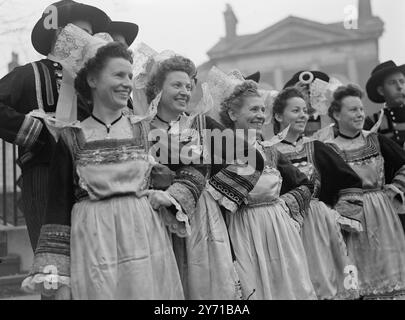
x=35 y=283
x=349 y=224
x=221 y=199
x=178 y=224
x=53 y=125
x=389 y=289
x=345 y=295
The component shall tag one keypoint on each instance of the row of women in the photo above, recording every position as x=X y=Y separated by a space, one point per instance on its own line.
x=297 y=219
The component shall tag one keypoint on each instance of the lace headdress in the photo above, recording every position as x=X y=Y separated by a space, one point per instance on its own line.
x=321 y=95
x=73 y=48
x=146 y=60
x=222 y=85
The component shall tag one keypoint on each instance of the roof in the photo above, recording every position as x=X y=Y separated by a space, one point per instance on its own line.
x=294 y=32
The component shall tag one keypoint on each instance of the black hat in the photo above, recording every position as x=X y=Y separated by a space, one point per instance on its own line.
x=377 y=77
x=67 y=11
x=296 y=78
x=255 y=77
x=127 y=29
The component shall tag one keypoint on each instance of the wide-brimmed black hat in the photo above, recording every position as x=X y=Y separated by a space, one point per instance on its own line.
x=254 y=76
x=296 y=78
x=67 y=11
x=127 y=29
x=378 y=75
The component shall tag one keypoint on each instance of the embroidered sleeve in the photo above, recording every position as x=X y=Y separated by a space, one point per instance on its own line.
x=297 y=201
x=341 y=187
x=15 y=126
x=232 y=184
x=394 y=167
x=350 y=208
x=187 y=187
x=51 y=266
x=52 y=256
x=296 y=190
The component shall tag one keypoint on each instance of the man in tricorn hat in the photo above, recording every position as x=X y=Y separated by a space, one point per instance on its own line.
x=124 y=32
x=36 y=86
x=387 y=85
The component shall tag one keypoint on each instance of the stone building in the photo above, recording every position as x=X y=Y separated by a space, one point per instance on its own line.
x=347 y=51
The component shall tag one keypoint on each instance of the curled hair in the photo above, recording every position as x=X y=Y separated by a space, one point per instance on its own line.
x=158 y=76
x=97 y=63
x=280 y=103
x=235 y=101
x=351 y=90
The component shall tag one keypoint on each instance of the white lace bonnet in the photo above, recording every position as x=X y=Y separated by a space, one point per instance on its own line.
x=73 y=48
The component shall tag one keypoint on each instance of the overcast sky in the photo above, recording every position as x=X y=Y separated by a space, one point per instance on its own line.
x=192 y=27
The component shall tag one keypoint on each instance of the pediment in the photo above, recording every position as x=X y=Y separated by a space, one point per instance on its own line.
x=294 y=33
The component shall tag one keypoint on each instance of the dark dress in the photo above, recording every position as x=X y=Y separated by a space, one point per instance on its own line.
x=32 y=86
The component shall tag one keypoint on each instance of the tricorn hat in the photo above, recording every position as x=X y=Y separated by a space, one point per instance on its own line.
x=378 y=75
x=254 y=76
x=65 y=11
x=127 y=29
x=300 y=74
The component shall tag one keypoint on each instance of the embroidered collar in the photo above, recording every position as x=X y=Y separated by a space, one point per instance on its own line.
x=347 y=137
x=294 y=144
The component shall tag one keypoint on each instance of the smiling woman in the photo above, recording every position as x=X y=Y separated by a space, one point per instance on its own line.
x=379 y=251
x=101 y=235
x=323 y=241
x=270 y=257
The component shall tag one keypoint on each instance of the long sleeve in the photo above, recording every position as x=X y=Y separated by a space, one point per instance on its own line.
x=341 y=187
x=15 y=126
x=394 y=162
x=296 y=189
x=184 y=182
x=231 y=183
x=52 y=255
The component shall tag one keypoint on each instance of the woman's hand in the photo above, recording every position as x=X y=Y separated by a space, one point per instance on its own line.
x=157 y=198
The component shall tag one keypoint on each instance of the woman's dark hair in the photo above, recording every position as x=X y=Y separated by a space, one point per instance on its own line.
x=158 y=76
x=280 y=103
x=351 y=90
x=97 y=63
x=247 y=88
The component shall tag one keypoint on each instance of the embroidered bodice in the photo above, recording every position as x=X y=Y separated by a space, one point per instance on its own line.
x=364 y=157
x=110 y=167
x=301 y=156
x=268 y=187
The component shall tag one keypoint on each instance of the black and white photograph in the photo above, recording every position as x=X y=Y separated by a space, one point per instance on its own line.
x=201 y=151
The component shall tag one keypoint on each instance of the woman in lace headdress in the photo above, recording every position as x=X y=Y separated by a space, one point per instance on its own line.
x=204 y=257
x=270 y=256
x=102 y=239
x=336 y=186
x=379 y=251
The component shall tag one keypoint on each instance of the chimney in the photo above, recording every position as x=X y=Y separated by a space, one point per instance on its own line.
x=14 y=61
x=230 y=22
x=365 y=11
